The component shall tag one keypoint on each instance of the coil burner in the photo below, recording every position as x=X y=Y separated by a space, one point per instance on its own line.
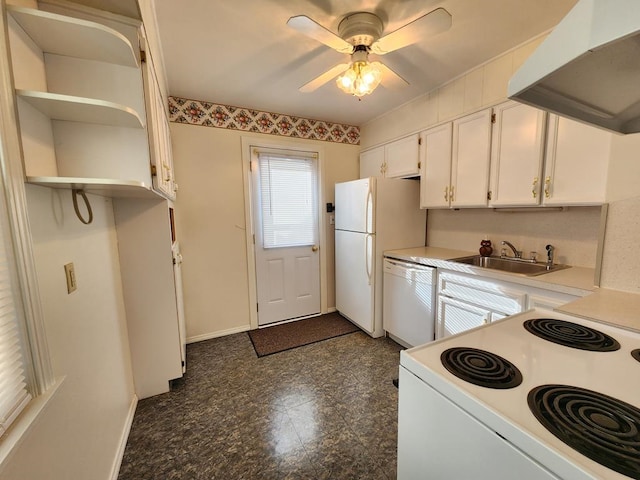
x=481 y=368
x=571 y=335
x=603 y=428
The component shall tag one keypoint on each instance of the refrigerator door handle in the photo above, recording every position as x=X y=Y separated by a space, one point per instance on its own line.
x=367 y=256
x=368 y=210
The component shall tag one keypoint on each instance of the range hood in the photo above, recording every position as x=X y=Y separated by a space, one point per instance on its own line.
x=588 y=67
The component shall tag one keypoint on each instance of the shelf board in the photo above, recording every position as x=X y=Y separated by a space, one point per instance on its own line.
x=80 y=109
x=73 y=37
x=105 y=187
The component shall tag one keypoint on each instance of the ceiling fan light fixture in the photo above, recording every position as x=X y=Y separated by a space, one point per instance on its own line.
x=361 y=78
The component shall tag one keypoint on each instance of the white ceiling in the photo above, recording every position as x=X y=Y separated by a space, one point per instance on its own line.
x=242 y=53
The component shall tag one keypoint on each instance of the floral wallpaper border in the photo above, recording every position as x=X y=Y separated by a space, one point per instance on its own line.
x=195 y=112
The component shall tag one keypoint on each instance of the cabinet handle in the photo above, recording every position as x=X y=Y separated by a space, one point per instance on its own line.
x=446 y=193
x=451 y=193
x=534 y=189
x=547 y=187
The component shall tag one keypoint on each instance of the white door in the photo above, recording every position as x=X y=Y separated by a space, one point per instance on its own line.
x=471 y=156
x=456 y=317
x=401 y=157
x=435 y=166
x=285 y=198
x=577 y=159
x=372 y=163
x=517 y=147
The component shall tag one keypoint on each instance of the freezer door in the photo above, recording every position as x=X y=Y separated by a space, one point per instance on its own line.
x=355 y=204
x=355 y=277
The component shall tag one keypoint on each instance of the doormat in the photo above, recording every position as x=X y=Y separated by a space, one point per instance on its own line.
x=270 y=340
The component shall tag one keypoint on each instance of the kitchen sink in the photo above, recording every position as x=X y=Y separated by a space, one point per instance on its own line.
x=521 y=267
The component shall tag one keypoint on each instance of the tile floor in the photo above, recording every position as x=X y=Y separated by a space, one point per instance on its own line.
x=323 y=411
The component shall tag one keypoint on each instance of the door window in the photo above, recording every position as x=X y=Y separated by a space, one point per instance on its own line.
x=288 y=200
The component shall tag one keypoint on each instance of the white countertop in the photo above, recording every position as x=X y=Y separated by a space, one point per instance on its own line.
x=573 y=281
x=603 y=305
x=426 y=255
x=597 y=304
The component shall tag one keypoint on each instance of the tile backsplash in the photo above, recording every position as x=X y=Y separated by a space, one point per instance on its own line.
x=621 y=256
x=574 y=232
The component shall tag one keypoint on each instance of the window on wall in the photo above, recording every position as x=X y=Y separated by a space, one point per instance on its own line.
x=14 y=394
x=288 y=193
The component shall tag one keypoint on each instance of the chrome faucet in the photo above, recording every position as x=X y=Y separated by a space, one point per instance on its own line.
x=550 y=250
x=516 y=253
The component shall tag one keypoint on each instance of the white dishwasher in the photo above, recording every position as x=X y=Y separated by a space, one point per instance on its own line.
x=408 y=306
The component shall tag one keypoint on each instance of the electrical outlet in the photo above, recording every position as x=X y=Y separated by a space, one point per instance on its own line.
x=332 y=219
x=70 y=273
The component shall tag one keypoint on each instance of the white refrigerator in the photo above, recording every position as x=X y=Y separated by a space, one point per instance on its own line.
x=372 y=215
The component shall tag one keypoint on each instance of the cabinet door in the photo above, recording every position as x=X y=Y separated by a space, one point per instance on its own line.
x=435 y=166
x=158 y=133
x=456 y=317
x=470 y=160
x=516 y=154
x=576 y=163
x=401 y=157
x=372 y=163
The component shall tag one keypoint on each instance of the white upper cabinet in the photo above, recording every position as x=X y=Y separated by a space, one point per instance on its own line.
x=471 y=156
x=576 y=163
x=372 y=163
x=455 y=161
x=397 y=159
x=435 y=166
x=158 y=132
x=81 y=102
x=517 y=155
x=402 y=157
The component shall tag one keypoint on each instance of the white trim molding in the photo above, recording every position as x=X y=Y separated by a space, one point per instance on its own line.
x=11 y=164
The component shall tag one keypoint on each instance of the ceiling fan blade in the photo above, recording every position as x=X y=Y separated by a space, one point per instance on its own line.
x=391 y=79
x=434 y=22
x=310 y=28
x=324 y=78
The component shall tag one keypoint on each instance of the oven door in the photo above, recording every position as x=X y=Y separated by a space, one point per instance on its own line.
x=439 y=441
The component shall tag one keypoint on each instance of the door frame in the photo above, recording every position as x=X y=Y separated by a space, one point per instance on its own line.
x=248 y=142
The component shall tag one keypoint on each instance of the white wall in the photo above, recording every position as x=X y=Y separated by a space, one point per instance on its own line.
x=80 y=433
x=484 y=86
x=210 y=220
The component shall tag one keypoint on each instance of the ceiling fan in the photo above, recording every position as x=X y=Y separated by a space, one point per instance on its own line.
x=360 y=34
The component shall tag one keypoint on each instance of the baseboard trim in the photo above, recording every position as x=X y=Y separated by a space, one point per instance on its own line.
x=220 y=333
x=123 y=439
x=231 y=331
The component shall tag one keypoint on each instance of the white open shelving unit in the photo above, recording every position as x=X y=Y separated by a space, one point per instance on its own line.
x=76 y=55
x=93 y=120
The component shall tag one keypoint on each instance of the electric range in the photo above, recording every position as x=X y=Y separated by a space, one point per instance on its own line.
x=513 y=400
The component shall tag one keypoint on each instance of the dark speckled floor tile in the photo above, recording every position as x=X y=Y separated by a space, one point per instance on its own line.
x=323 y=411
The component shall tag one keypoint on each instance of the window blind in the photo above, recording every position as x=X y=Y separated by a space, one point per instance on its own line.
x=14 y=395
x=288 y=194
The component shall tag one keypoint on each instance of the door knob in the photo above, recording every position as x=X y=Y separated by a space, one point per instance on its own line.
x=314 y=248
